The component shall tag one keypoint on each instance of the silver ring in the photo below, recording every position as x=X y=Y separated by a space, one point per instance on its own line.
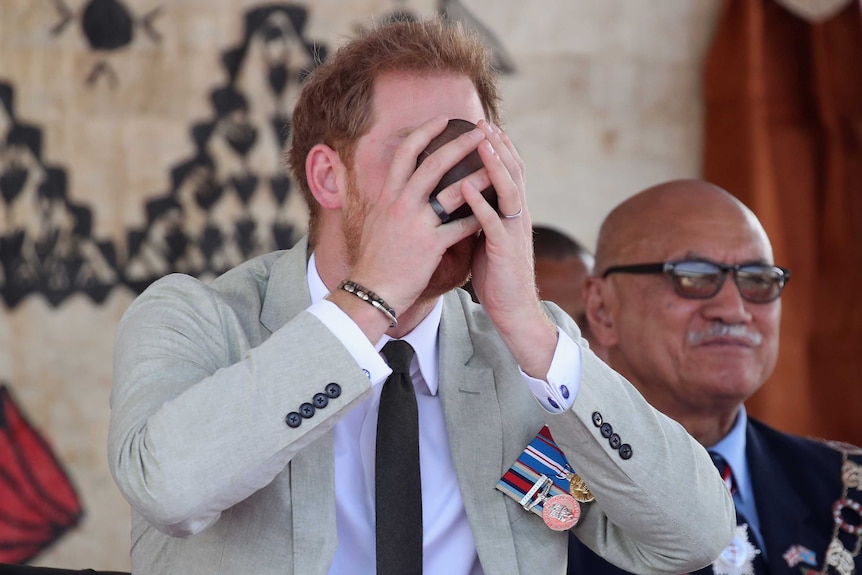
x=438 y=209
x=514 y=216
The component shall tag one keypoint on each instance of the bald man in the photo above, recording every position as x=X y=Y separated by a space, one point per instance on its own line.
x=562 y=266
x=686 y=298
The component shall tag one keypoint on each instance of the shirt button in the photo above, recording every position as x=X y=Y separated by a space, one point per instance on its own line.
x=367 y=373
x=615 y=441
x=320 y=400
x=625 y=451
x=293 y=419
x=597 y=419
x=333 y=390
x=565 y=391
x=306 y=410
x=553 y=403
x=606 y=430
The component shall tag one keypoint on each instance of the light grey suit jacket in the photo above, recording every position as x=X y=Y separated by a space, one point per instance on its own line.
x=218 y=483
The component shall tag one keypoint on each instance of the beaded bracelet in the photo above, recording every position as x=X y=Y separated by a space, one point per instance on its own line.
x=367 y=295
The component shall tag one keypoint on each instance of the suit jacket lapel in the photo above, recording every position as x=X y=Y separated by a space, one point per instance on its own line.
x=473 y=418
x=311 y=477
x=474 y=421
x=785 y=520
x=287 y=289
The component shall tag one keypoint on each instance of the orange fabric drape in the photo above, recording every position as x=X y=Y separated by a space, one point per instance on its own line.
x=783 y=129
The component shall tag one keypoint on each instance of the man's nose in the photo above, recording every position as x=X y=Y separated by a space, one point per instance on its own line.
x=728 y=304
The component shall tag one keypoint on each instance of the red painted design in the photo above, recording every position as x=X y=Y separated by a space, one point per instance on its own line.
x=39 y=503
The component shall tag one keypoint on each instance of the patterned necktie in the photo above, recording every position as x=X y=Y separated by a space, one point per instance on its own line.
x=398 y=488
x=724 y=469
x=742 y=556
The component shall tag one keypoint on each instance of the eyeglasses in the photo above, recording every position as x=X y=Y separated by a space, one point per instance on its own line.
x=702 y=279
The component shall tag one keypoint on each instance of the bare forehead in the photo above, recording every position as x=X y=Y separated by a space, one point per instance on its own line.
x=403 y=100
x=683 y=222
x=722 y=236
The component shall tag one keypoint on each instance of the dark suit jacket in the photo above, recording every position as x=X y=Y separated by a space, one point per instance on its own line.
x=795 y=480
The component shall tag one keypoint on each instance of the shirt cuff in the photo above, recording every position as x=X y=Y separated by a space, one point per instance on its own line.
x=353 y=339
x=564 y=377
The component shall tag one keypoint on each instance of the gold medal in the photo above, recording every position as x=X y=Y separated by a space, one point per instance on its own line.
x=579 y=489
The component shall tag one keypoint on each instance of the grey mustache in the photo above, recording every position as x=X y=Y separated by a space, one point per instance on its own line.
x=721 y=329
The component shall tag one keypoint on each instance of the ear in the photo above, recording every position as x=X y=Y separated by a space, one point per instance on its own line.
x=326 y=176
x=600 y=303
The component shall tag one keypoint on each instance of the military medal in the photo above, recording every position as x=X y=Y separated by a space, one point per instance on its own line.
x=577 y=486
x=738 y=557
x=579 y=489
x=561 y=512
x=538 y=493
x=543 y=483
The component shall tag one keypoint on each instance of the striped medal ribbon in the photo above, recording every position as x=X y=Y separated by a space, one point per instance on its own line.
x=540 y=480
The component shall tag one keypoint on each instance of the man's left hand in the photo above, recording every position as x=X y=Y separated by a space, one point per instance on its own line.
x=503 y=274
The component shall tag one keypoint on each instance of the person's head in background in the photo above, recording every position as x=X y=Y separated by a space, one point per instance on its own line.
x=695 y=347
x=562 y=265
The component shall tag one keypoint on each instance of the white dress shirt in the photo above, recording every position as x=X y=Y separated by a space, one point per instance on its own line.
x=448 y=545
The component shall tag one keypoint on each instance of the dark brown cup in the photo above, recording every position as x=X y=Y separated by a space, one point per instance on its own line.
x=465 y=167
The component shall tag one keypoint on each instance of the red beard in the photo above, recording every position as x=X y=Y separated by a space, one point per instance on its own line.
x=453 y=270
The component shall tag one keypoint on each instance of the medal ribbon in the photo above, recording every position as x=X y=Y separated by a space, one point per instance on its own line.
x=541 y=457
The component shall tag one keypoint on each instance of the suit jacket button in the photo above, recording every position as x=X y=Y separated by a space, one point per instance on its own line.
x=320 y=400
x=597 y=419
x=306 y=410
x=625 y=451
x=333 y=390
x=606 y=430
x=615 y=441
x=293 y=419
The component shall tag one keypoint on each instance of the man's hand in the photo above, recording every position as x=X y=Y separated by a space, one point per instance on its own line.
x=503 y=274
x=403 y=240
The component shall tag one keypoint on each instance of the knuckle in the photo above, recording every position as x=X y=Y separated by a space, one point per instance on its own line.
x=404 y=152
x=432 y=163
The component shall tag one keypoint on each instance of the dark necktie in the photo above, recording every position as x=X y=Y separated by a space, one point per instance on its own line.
x=398 y=489
x=758 y=564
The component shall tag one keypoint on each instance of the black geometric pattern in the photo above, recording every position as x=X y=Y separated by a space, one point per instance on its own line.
x=46 y=241
x=222 y=208
x=229 y=200
x=107 y=25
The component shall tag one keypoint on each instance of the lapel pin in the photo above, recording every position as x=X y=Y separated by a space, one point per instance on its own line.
x=738 y=557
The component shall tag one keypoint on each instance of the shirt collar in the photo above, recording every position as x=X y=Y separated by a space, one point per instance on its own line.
x=732 y=449
x=423 y=337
